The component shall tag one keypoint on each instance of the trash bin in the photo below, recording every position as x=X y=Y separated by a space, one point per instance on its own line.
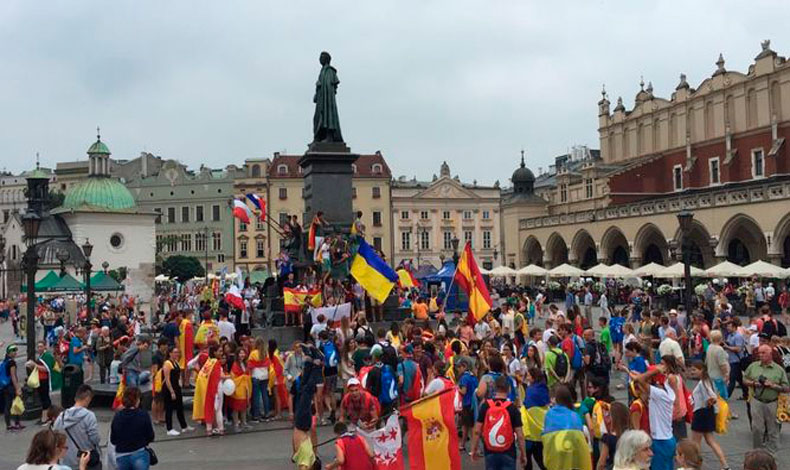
x=72 y=379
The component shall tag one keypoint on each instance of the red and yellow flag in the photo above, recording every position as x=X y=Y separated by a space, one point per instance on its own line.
x=431 y=437
x=294 y=299
x=469 y=278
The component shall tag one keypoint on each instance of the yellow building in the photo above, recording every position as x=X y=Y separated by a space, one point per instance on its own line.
x=253 y=251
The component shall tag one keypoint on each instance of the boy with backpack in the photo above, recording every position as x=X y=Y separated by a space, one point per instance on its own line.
x=499 y=425
x=556 y=364
x=331 y=358
x=382 y=382
x=574 y=347
x=467 y=384
x=596 y=357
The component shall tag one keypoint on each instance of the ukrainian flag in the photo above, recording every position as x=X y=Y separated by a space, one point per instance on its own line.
x=564 y=444
x=372 y=273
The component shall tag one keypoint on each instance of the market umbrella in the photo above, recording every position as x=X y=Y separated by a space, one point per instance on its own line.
x=725 y=269
x=502 y=271
x=532 y=270
x=161 y=278
x=676 y=272
x=650 y=269
x=103 y=282
x=764 y=269
x=615 y=270
x=566 y=270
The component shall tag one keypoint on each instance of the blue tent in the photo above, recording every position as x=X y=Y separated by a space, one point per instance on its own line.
x=457 y=300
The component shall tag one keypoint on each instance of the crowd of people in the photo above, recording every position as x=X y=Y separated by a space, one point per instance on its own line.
x=531 y=377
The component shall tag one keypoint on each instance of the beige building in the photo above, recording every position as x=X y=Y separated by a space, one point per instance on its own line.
x=253 y=251
x=371 y=194
x=426 y=216
x=717 y=150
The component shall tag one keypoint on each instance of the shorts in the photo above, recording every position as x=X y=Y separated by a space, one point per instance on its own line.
x=330 y=384
x=663 y=454
x=704 y=420
x=467 y=417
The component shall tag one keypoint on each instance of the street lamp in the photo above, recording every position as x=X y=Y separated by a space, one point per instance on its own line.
x=2 y=261
x=685 y=219
x=31 y=222
x=455 y=241
x=87 y=249
x=62 y=256
x=105 y=265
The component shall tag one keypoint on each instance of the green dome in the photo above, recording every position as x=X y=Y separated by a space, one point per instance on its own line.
x=99 y=148
x=99 y=193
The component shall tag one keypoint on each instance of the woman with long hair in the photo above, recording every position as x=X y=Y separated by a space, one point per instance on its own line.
x=619 y=414
x=240 y=400
x=258 y=364
x=532 y=359
x=704 y=399
x=46 y=449
x=347 y=362
x=394 y=336
x=679 y=408
x=171 y=393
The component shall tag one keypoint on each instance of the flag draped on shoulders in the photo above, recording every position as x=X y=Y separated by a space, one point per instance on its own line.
x=470 y=279
x=564 y=444
x=431 y=435
x=206 y=388
x=533 y=413
x=386 y=444
x=186 y=342
x=117 y=401
x=372 y=272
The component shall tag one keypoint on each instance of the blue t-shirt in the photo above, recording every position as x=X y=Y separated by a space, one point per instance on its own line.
x=470 y=382
x=616 y=328
x=735 y=339
x=75 y=359
x=638 y=364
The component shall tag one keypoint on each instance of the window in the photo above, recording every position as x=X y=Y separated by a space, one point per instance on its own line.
x=220 y=257
x=259 y=248
x=171 y=215
x=259 y=224
x=486 y=239
x=588 y=188
x=283 y=219
x=186 y=242
x=200 y=241
x=468 y=237
x=353 y=192
x=376 y=219
x=376 y=168
x=486 y=215
x=282 y=169
x=283 y=193
x=376 y=192
x=713 y=169
x=424 y=215
x=243 y=249
x=404 y=215
x=446 y=215
x=447 y=240
x=158 y=219
x=116 y=240
x=198 y=213
x=377 y=243
x=185 y=214
x=242 y=226
x=5 y=216
x=405 y=241
x=467 y=215
x=758 y=169
x=216 y=241
x=677 y=177
x=256 y=171
x=425 y=240
x=215 y=212
x=563 y=192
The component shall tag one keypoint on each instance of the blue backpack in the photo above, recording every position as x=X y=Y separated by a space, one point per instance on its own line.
x=576 y=360
x=5 y=379
x=389 y=386
x=330 y=354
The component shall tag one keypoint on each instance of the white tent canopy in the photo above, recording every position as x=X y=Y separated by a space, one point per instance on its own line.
x=615 y=270
x=676 y=272
x=650 y=269
x=503 y=271
x=566 y=270
x=484 y=271
x=764 y=269
x=725 y=269
x=161 y=278
x=532 y=270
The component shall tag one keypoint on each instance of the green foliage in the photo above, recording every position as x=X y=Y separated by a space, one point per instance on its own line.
x=119 y=274
x=56 y=198
x=182 y=267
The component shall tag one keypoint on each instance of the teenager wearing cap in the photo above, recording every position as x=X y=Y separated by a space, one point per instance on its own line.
x=358 y=407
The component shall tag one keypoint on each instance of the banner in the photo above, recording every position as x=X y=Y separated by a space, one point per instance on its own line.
x=386 y=444
x=333 y=315
x=294 y=299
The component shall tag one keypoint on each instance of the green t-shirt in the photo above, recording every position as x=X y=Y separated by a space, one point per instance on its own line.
x=606 y=338
x=772 y=372
x=304 y=456
x=550 y=362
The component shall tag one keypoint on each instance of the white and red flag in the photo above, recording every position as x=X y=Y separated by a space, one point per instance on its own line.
x=387 y=444
x=241 y=211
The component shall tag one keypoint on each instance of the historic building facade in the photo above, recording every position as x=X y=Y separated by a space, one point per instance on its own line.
x=718 y=150
x=427 y=215
x=253 y=250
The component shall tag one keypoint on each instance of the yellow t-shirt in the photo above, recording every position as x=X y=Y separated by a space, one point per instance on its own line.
x=304 y=456
x=420 y=311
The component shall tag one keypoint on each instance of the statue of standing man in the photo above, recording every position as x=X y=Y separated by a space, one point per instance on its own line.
x=326 y=122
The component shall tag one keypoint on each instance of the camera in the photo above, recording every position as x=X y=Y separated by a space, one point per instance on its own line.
x=762 y=380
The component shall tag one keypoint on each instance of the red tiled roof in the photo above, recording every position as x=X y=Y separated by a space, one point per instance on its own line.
x=364 y=166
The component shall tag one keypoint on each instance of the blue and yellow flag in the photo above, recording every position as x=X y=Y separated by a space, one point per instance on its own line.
x=372 y=273
x=564 y=444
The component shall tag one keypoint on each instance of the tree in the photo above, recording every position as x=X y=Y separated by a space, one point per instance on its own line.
x=56 y=198
x=119 y=274
x=182 y=267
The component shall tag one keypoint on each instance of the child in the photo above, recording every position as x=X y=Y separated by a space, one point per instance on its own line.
x=467 y=384
x=115 y=365
x=606 y=334
x=688 y=456
x=352 y=451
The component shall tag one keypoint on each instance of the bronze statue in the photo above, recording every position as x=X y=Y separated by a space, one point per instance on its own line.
x=326 y=122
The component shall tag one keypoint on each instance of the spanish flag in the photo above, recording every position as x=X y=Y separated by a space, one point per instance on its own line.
x=432 y=439
x=117 y=401
x=372 y=273
x=564 y=444
x=468 y=276
x=186 y=342
x=294 y=299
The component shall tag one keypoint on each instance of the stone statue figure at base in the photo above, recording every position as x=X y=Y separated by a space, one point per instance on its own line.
x=326 y=122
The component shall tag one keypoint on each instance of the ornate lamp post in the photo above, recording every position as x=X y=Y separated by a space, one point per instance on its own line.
x=685 y=219
x=3 y=271
x=31 y=222
x=62 y=256
x=455 y=242
x=104 y=266
x=87 y=249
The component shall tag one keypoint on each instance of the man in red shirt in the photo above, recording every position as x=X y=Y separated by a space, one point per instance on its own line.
x=353 y=452
x=358 y=406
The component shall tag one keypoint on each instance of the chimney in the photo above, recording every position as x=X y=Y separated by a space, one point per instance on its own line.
x=144 y=164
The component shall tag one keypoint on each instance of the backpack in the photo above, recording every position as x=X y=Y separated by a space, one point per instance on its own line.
x=497 y=428
x=330 y=354
x=5 y=379
x=601 y=417
x=601 y=361
x=389 y=386
x=561 y=364
x=577 y=360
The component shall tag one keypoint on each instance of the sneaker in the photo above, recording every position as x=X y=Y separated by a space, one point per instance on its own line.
x=173 y=433
x=188 y=429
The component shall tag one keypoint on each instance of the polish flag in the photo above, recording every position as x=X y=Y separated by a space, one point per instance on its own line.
x=241 y=211
x=259 y=203
x=233 y=297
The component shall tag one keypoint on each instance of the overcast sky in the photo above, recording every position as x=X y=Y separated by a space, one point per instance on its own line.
x=470 y=82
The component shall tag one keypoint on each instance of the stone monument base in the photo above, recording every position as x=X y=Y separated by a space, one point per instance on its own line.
x=327 y=174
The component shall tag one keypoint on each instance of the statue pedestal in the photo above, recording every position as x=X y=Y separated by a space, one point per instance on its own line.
x=327 y=184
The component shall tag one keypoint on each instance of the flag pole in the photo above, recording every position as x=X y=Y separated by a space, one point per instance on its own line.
x=447 y=294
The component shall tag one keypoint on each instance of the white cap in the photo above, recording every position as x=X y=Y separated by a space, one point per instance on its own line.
x=353 y=381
